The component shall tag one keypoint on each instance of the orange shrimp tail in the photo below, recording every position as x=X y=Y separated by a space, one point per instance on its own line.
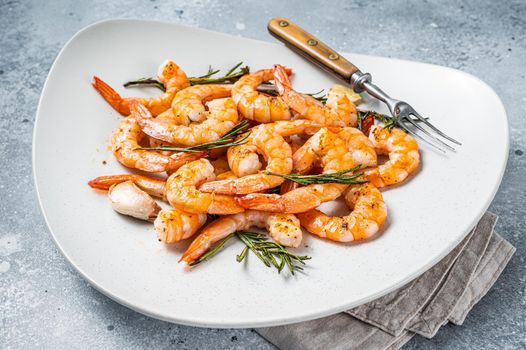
x=138 y=110
x=181 y=158
x=281 y=78
x=261 y=201
x=288 y=186
x=111 y=96
x=194 y=251
x=105 y=182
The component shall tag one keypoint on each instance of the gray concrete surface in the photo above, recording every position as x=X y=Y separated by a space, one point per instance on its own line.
x=45 y=304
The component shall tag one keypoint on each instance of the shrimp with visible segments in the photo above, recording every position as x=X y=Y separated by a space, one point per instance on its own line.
x=171 y=225
x=220 y=165
x=338 y=110
x=173 y=78
x=182 y=192
x=402 y=150
x=360 y=146
x=244 y=159
x=128 y=199
x=175 y=225
x=278 y=156
x=150 y=185
x=367 y=216
x=125 y=143
x=283 y=228
x=222 y=116
x=333 y=155
x=189 y=104
x=258 y=106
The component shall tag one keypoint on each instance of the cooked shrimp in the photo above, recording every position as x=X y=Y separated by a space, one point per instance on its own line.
x=255 y=105
x=244 y=159
x=222 y=116
x=173 y=78
x=338 y=110
x=403 y=156
x=128 y=199
x=171 y=225
x=182 y=192
x=360 y=146
x=175 y=225
x=333 y=156
x=125 y=143
x=277 y=154
x=283 y=228
x=367 y=216
x=189 y=104
x=150 y=185
x=220 y=165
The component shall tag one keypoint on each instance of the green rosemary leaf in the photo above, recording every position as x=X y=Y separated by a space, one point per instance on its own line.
x=212 y=252
x=228 y=140
x=341 y=177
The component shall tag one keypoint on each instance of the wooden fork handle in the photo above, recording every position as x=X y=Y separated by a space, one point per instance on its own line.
x=312 y=48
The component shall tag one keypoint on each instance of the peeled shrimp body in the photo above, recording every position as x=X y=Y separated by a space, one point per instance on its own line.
x=125 y=141
x=338 y=110
x=221 y=117
x=182 y=192
x=171 y=225
x=189 y=104
x=402 y=150
x=278 y=156
x=175 y=225
x=255 y=105
x=128 y=199
x=173 y=78
x=283 y=228
x=360 y=146
x=333 y=155
x=367 y=216
x=244 y=159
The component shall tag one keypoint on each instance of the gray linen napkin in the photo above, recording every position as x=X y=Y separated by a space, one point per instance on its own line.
x=446 y=292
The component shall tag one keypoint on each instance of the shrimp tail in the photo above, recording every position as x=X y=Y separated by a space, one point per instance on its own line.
x=181 y=158
x=260 y=201
x=105 y=182
x=111 y=96
x=196 y=249
x=281 y=79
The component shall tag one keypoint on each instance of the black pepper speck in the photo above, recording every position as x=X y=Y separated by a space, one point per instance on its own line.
x=110 y=327
x=519 y=152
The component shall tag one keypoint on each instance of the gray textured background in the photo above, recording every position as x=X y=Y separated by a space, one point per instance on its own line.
x=45 y=304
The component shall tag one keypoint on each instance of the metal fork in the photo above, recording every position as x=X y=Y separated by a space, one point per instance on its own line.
x=314 y=50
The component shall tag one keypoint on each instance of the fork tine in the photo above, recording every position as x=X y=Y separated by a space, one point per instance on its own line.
x=434 y=128
x=414 y=134
x=415 y=124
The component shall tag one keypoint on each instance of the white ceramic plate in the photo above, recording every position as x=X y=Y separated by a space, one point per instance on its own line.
x=122 y=258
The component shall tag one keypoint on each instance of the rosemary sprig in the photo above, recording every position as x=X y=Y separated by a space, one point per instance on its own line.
x=213 y=251
x=389 y=122
x=146 y=81
x=231 y=76
x=320 y=96
x=272 y=254
x=341 y=177
x=270 y=89
x=269 y=252
x=227 y=140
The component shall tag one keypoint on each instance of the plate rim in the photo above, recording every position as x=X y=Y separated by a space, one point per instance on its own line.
x=265 y=322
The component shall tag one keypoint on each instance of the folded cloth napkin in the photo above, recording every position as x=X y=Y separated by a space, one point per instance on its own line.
x=445 y=293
